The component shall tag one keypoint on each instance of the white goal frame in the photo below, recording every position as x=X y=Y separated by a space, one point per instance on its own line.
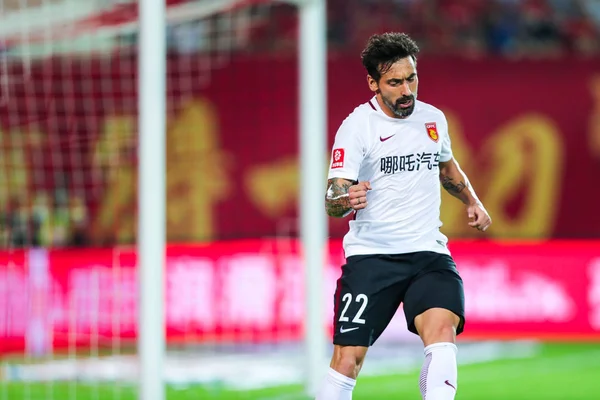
x=152 y=196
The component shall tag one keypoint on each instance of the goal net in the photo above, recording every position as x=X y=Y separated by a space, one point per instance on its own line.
x=235 y=281
x=68 y=177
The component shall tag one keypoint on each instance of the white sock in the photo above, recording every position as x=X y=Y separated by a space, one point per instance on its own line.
x=336 y=387
x=439 y=377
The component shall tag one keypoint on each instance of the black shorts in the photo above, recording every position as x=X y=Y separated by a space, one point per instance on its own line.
x=372 y=287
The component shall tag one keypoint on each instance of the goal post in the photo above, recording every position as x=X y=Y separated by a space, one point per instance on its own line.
x=152 y=198
x=313 y=148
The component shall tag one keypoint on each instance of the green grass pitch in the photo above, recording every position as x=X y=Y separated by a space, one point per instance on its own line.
x=566 y=371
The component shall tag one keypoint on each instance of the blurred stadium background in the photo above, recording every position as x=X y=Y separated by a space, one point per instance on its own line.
x=519 y=81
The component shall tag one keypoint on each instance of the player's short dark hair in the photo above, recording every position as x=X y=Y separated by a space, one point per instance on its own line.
x=385 y=49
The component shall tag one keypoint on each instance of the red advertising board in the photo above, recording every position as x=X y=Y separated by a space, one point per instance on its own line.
x=252 y=291
x=531 y=149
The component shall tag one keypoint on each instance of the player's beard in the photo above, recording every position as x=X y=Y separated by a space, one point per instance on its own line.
x=395 y=106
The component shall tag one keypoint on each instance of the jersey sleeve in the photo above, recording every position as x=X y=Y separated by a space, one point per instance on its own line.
x=446 y=151
x=347 y=153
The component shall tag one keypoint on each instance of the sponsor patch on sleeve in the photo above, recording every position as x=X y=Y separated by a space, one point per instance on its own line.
x=337 y=158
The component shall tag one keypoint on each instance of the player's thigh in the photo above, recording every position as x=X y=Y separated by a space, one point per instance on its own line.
x=436 y=285
x=367 y=296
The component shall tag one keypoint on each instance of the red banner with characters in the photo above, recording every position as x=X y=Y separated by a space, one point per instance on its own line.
x=528 y=138
x=252 y=291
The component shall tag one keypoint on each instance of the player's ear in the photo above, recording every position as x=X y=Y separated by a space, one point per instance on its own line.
x=373 y=85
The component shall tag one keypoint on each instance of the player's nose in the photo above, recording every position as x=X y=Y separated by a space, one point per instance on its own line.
x=406 y=89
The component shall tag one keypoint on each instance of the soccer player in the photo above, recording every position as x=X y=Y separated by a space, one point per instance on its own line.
x=388 y=160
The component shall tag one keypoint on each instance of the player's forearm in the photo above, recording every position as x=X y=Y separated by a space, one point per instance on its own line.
x=337 y=201
x=456 y=182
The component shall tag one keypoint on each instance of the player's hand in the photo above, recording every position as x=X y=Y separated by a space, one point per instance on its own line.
x=480 y=219
x=358 y=195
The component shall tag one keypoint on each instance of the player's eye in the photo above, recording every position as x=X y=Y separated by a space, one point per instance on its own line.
x=411 y=79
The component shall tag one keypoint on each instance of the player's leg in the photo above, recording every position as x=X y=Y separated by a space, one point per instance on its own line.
x=367 y=297
x=343 y=371
x=434 y=308
x=348 y=360
x=439 y=375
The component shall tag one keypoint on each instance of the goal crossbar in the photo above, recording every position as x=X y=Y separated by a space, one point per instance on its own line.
x=121 y=19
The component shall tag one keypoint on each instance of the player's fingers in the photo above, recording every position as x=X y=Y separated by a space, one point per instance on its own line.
x=359 y=205
x=358 y=202
x=364 y=185
x=473 y=222
x=356 y=188
x=358 y=194
x=485 y=224
x=477 y=223
x=480 y=216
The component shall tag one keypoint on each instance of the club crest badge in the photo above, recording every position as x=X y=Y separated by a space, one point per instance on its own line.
x=432 y=131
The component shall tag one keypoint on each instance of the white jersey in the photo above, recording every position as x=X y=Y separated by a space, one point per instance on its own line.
x=400 y=158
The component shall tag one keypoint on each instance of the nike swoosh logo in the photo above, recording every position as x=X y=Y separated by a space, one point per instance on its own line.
x=451 y=385
x=342 y=330
x=383 y=139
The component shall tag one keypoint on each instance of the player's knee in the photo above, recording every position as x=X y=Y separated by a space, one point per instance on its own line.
x=436 y=332
x=437 y=325
x=348 y=361
x=347 y=365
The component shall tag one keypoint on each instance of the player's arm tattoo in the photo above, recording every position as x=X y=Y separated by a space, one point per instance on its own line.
x=452 y=187
x=337 y=201
x=455 y=181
